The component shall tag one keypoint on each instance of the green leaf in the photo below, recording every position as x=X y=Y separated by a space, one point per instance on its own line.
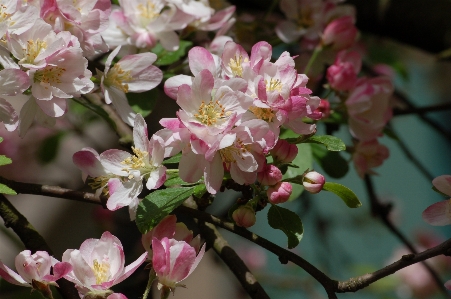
x=6 y=190
x=166 y=57
x=199 y=190
x=173 y=180
x=159 y=204
x=144 y=102
x=332 y=163
x=332 y=143
x=4 y=160
x=173 y=160
x=1 y=139
x=48 y=149
x=288 y=222
x=303 y=160
x=344 y=193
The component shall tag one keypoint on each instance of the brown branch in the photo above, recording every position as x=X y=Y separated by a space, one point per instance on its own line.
x=422 y=110
x=331 y=286
x=32 y=240
x=382 y=211
x=232 y=260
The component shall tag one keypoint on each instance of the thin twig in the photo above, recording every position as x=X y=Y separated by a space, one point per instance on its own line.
x=382 y=211
x=422 y=110
x=32 y=240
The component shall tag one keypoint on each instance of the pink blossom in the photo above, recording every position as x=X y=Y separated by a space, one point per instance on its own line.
x=244 y=216
x=132 y=73
x=367 y=155
x=340 y=33
x=279 y=193
x=16 y=18
x=99 y=265
x=33 y=268
x=313 y=182
x=284 y=152
x=173 y=261
x=369 y=107
x=342 y=75
x=324 y=108
x=440 y=213
x=270 y=175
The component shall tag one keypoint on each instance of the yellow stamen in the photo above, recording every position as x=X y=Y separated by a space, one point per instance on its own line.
x=265 y=114
x=49 y=75
x=117 y=77
x=101 y=271
x=100 y=182
x=273 y=85
x=148 y=11
x=210 y=113
x=236 y=65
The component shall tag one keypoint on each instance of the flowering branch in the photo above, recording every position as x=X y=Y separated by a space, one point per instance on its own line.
x=31 y=239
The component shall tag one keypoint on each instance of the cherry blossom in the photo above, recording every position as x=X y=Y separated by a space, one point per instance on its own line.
x=440 y=213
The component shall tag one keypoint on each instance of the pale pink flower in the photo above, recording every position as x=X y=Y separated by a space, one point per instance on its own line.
x=369 y=107
x=244 y=216
x=313 y=182
x=99 y=265
x=440 y=213
x=132 y=73
x=367 y=155
x=13 y=82
x=15 y=18
x=340 y=33
x=173 y=261
x=342 y=75
x=279 y=193
x=34 y=267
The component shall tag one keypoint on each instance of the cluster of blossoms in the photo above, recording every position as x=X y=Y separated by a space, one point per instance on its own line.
x=99 y=264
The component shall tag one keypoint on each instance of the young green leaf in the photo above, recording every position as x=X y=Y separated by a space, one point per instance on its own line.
x=144 y=102
x=288 y=222
x=159 y=204
x=6 y=190
x=331 y=162
x=166 y=57
x=332 y=143
x=173 y=160
x=4 y=160
x=344 y=193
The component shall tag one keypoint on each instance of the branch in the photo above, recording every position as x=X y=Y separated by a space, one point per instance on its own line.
x=357 y=283
x=232 y=260
x=422 y=110
x=32 y=240
x=382 y=211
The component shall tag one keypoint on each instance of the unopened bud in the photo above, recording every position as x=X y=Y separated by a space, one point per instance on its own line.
x=270 y=175
x=340 y=33
x=284 y=152
x=313 y=182
x=279 y=193
x=244 y=216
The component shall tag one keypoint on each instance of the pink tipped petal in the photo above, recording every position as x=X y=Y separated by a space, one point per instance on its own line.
x=171 y=86
x=443 y=184
x=112 y=160
x=11 y=276
x=198 y=258
x=132 y=268
x=88 y=160
x=8 y=115
x=438 y=214
x=13 y=82
x=199 y=59
x=140 y=135
x=61 y=269
x=182 y=259
x=156 y=178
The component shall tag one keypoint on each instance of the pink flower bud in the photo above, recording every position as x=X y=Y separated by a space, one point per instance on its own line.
x=279 y=193
x=324 y=108
x=313 y=182
x=244 y=216
x=284 y=152
x=270 y=175
x=340 y=33
x=342 y=75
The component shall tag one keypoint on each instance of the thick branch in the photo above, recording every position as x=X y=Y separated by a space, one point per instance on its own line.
x=232 y=260
x=31 y=239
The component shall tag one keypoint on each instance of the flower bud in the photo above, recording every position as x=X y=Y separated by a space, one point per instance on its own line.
x=244 y=216
x=270 y=175
x=284 y=152
x=324 y=108
x=340 y=33
x=279 y=193
x=313 y=182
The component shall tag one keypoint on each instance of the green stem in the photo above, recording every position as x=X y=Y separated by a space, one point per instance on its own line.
x=152 y=276
x=165 y=291
x=315 y=53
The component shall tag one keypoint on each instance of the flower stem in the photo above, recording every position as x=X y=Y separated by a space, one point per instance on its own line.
x=165 y=291
x=315 y=53
x=152 y=276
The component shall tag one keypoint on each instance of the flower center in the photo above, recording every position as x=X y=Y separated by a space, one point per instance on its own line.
x=137 y=165
x=233 y=152
x=148 y=11
x=100 y=182
x=117 y=77
x=265 y=114
x=210 y=113
x=273 y=85
x=101 y=271
x=34 y=48
x=49 y=75
x=236 y=65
